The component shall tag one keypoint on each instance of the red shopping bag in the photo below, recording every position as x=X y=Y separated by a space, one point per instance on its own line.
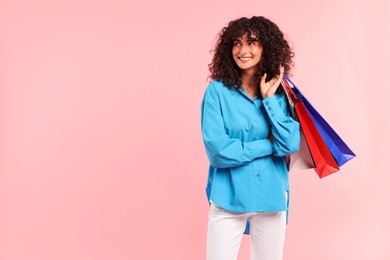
x=323 y=160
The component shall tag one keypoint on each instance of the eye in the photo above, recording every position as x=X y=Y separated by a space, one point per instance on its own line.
x=236 y=43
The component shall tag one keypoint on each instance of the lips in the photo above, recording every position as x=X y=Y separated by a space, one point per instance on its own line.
x=245 y=58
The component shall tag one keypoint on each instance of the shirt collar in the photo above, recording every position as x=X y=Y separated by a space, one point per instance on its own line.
x=242 y=91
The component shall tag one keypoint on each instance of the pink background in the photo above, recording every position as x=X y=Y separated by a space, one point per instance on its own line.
x=101 y=155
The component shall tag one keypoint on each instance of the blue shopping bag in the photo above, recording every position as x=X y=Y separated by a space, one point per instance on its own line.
x=339 y=149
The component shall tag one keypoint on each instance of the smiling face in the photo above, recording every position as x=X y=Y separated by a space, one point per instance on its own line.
x=247 y=51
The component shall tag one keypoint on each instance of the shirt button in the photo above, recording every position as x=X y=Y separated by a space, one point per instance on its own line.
x=272 y=115
x=258 y=175
x=266 y=102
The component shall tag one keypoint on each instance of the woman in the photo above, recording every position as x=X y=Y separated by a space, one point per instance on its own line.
x=247 y=132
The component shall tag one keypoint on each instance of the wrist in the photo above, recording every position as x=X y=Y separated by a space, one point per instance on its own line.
x=267 y=96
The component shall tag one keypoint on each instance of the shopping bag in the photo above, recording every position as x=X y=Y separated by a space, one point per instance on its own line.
x=324 y=162
x=339 y=149
x=301 y=160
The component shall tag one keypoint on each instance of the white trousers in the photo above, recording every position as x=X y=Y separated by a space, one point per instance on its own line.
x=225 y=231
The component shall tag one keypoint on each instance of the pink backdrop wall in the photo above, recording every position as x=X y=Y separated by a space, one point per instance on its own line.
x=101 y=154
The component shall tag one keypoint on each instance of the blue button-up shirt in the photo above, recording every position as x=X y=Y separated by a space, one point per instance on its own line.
x=247 y=172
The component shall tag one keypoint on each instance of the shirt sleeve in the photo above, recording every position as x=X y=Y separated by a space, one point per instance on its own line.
x=223 y=151
x=284 y=129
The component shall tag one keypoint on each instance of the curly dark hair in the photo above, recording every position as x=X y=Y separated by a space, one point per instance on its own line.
x=276 y=51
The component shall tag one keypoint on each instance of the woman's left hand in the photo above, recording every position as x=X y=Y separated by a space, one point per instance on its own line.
x=269 y=88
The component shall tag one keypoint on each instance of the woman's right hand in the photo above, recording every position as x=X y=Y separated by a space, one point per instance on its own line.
x=269 y=88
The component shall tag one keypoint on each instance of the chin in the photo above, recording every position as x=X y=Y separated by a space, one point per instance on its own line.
x=247 y=67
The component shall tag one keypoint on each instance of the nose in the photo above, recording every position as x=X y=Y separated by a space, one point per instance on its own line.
x=244 y=48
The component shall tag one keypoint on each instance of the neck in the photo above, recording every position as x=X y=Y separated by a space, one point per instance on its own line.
x=247 y=84
x=247 y=79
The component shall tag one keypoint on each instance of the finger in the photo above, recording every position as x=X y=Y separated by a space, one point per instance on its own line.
x=280 y=76
x=262 y=79
x=281 y=69
x=273 y=80
x=274 y=87
x=276 y=84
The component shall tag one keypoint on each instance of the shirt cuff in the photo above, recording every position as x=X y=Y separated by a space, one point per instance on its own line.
x=273 y=108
